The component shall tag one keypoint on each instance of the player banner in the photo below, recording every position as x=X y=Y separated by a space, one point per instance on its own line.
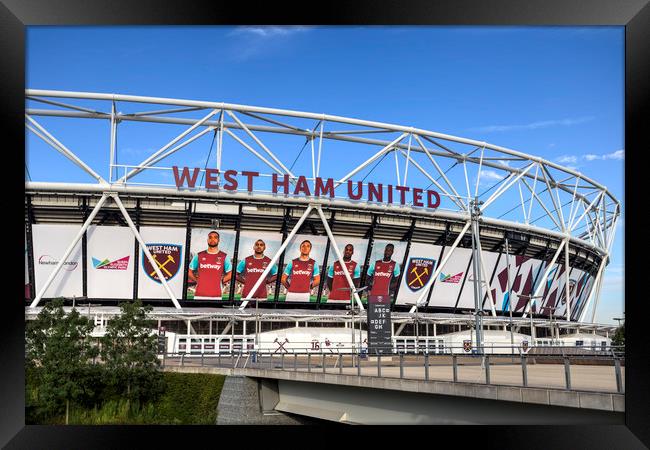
x=301 y=273
x=210 y=264
x=256 y=249
x=385 y=267
x=353 y=251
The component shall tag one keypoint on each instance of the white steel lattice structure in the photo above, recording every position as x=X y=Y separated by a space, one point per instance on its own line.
x=523 y=206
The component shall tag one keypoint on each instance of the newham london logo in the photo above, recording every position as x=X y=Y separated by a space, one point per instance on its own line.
x=106 y=264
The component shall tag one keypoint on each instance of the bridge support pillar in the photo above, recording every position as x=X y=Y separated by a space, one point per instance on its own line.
x=249 y=401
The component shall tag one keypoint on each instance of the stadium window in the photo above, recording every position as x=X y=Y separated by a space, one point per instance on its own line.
x=579 y=343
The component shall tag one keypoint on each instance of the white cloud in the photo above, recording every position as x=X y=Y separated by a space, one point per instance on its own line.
x=249 y=42
x=618 y=269
x=567 y=159
x=614 y=283
x=614 y=278
x=572 y=160
x=618 y=155
x=134 y=151
x=489 y=177
x=535 y=125
x=268 y=31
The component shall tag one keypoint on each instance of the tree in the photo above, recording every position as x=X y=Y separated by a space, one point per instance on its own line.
x=619 y=336
x=129 y=352
x=59 y=354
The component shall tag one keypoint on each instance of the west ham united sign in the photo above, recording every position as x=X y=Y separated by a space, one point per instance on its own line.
x=167 y=257
x=418 y=272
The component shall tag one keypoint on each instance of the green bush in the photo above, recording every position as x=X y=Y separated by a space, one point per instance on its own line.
x=187 y=399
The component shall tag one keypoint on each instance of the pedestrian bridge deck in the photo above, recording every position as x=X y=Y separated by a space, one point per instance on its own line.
x=592 y=386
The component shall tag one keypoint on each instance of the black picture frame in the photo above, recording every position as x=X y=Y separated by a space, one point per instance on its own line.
x=15 y=15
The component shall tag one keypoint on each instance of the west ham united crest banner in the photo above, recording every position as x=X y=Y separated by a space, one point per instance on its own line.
x=168 y=260
x=420 y=266
x=166 y=246
x=418 y=272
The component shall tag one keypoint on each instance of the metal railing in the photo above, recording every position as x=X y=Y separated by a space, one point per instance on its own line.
x=587 y=371
x=225 y=343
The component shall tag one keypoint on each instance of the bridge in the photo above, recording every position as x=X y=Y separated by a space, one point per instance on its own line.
x=413 y=389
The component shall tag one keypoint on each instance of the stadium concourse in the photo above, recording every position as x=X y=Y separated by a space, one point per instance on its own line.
x=249 y=253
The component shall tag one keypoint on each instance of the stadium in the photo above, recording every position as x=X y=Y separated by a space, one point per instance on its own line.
x=464 y=237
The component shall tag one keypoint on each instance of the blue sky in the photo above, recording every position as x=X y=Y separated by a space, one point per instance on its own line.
x=554 y=92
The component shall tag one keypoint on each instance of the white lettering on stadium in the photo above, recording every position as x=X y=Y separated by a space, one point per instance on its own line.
x=163 y=249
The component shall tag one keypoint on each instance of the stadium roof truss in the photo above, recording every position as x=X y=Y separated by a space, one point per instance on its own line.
x=503 y=187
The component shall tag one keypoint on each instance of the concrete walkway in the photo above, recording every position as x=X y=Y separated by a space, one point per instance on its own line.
x=583 y=377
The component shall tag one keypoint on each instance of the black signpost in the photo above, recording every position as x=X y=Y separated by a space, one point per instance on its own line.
x=162 y=341
x=379 y=325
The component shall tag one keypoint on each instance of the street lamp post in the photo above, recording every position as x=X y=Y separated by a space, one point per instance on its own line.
x=530 y=301
x=352 y=326
x=476 y=263
x=352 y=312
x=232 y=330
x=417 y=326
x=553 y=318
x=257 y=326
x=512 y=339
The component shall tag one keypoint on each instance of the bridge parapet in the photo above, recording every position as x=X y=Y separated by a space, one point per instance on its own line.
x=605 y=402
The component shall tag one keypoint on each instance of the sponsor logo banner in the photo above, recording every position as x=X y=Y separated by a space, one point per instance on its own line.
x=106 y=264
x=47 y=260
x=418 y=272
x=467 y=345
x=167 y=257
x=455 y=279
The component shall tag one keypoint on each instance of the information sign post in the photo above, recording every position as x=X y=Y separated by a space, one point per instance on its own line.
x=379 y=325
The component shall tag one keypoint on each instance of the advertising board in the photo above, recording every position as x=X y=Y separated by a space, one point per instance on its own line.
x=50 y=243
